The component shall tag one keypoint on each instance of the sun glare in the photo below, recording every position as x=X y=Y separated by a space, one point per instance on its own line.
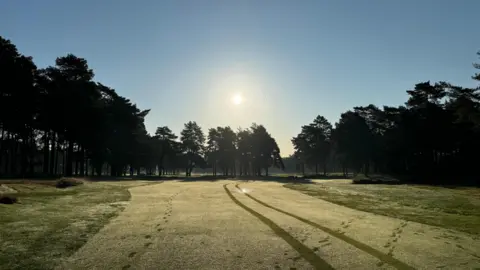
x=237 y=99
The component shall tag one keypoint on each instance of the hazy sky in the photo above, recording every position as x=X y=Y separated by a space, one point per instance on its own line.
x=290 y=60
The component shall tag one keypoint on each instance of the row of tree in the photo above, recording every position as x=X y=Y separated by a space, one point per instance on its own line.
x=248 y=150
x=434 y=137
x=59 y=121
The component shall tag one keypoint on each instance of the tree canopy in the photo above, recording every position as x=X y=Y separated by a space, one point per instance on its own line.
x=59 y=121
x=433 y=138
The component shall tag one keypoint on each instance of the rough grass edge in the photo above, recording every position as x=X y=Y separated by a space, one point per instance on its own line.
x=8 y=199
x=393 y=214
x=68 y=182
x=375 y=179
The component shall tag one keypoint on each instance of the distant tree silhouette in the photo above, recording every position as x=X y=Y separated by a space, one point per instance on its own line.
x=213 y=149
x=312 y=146
x=264 y=151
x=246 y=152
x=434 y=138
x=221 y=150
x=193 y=141
x=168 y=150
x=59 y=121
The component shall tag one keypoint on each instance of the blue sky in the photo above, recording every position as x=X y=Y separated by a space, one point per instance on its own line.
x=290 y=60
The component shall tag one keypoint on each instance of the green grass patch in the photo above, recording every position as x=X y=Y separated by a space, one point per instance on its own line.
x=48 y=223
x=457 y=209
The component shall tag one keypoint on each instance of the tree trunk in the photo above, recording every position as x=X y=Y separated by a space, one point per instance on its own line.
x=57 y=153
x=33 y=153
x=87 y=164
x=82 y=162
x=23 y=156
x=65 y=160
x=52 y=154
x=69 y=159
x=7 y=157
x=13 y=163
x=98 y=168
x=1 y=150
x=76 y=160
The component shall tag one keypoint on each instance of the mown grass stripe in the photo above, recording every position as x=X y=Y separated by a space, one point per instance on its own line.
x=303 y=250
x=368 y=249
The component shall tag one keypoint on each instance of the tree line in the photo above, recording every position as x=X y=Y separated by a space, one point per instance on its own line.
x=59 y=121
x=433 y=138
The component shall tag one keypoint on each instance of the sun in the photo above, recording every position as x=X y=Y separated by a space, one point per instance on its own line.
x=237 y=99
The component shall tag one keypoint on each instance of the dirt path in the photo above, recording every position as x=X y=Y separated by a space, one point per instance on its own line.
x=185 y=226
x=214 y=225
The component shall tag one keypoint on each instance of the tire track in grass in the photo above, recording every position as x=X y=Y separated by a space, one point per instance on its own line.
x=368 y=249
x=303 y=250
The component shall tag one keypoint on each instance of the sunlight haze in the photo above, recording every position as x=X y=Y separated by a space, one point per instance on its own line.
x=237 y=99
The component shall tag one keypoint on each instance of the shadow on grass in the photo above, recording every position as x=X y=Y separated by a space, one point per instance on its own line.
x=377 y=179
x=131 y=178
x=333 y=176
x=384 y=179
x=206 y=178
x=280 y=179
x=155 y=178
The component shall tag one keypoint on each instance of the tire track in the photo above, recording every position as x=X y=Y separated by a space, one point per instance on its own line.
x=386 y=258
x=308 y=254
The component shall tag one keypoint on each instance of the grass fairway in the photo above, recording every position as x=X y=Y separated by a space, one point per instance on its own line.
x=451 y=208
x=49 y=224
